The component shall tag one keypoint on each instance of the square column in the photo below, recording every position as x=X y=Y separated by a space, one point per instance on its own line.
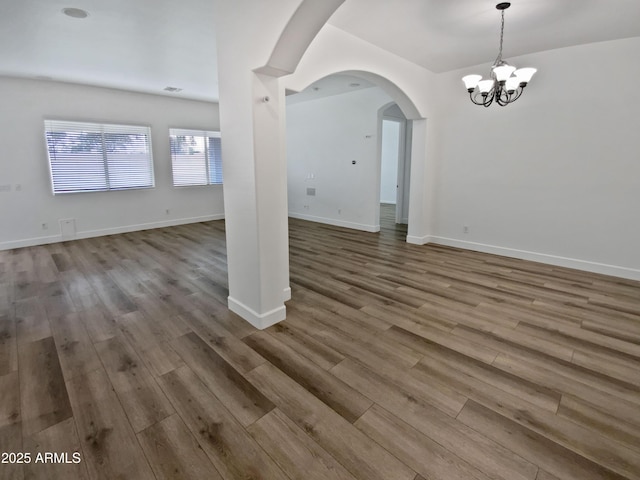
x=255 y=197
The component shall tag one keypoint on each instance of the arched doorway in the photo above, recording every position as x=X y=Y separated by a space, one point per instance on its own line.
x=414 y=145
x=333 y=142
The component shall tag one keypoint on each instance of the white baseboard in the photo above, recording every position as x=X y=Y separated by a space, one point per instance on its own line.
x=258 y=320
x=287 y=294
x=418 y=240
x=595 y=267
x=31 y=242
x=336 y=223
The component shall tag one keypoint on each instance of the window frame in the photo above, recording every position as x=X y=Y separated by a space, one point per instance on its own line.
x=56 y=124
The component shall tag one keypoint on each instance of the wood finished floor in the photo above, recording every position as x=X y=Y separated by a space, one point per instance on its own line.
x=396 y=362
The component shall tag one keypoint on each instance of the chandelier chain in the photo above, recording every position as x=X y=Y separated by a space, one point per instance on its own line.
x=499 y=58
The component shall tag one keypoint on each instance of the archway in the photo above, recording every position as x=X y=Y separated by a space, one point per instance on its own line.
x=301 y=81
x=418 y=220
x=333 y=152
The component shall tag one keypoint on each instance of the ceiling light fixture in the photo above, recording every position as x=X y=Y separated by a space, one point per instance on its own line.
x=503 y=87
x=75 y=12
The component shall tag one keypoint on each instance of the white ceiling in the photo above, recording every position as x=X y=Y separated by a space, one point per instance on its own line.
x=139 y=45
x=329 y=86
x=444 y=35
x=146 y=45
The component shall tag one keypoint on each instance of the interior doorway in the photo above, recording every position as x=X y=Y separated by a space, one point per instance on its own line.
x=394 y=165
x=389 y=162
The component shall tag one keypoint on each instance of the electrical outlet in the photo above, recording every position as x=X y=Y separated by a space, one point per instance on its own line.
x=168 y=211
x=45 y=226
x=339 y=211
x=306 y=207
x=465 y=229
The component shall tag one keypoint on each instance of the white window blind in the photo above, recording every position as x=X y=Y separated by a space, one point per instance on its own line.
x=93 y=157
x=195 y=157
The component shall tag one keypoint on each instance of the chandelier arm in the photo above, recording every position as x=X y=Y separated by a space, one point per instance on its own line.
x=472 y=97
x=488 y=100
x=517 y=94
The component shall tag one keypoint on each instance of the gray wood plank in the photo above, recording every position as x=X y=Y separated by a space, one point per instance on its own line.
x=242 y=399
x=174 y=453
x=229 y=447
x=109 y=445
x=141 y=397
x=43 y=394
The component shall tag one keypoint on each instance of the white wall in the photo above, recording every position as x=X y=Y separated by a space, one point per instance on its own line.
x=324 y=136
x=23 y=162
x=555 y=176
x=389 y=167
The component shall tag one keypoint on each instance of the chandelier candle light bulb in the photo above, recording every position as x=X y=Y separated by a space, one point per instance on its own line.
x=506 y=83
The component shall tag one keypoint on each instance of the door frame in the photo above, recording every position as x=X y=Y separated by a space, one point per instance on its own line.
x=404 y=159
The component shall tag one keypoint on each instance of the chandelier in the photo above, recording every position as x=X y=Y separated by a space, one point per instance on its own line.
x=506 y=83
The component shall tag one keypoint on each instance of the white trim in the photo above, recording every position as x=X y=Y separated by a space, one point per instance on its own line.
x=595 y=267
x=418 y=240
x=31 y=242
x=337 y=223
x=258 y=320
x=287 y=294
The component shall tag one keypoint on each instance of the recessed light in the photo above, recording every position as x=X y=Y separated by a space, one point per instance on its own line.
x=354 y=85
x=172 y=89
x=75 y=12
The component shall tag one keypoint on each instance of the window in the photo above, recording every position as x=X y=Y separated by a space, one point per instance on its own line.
x=196 y=157
x=93 y=157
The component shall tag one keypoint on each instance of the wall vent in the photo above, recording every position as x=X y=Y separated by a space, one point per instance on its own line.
x=68 y=227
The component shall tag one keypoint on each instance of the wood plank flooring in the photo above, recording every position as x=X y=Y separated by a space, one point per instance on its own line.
x=396 y=362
